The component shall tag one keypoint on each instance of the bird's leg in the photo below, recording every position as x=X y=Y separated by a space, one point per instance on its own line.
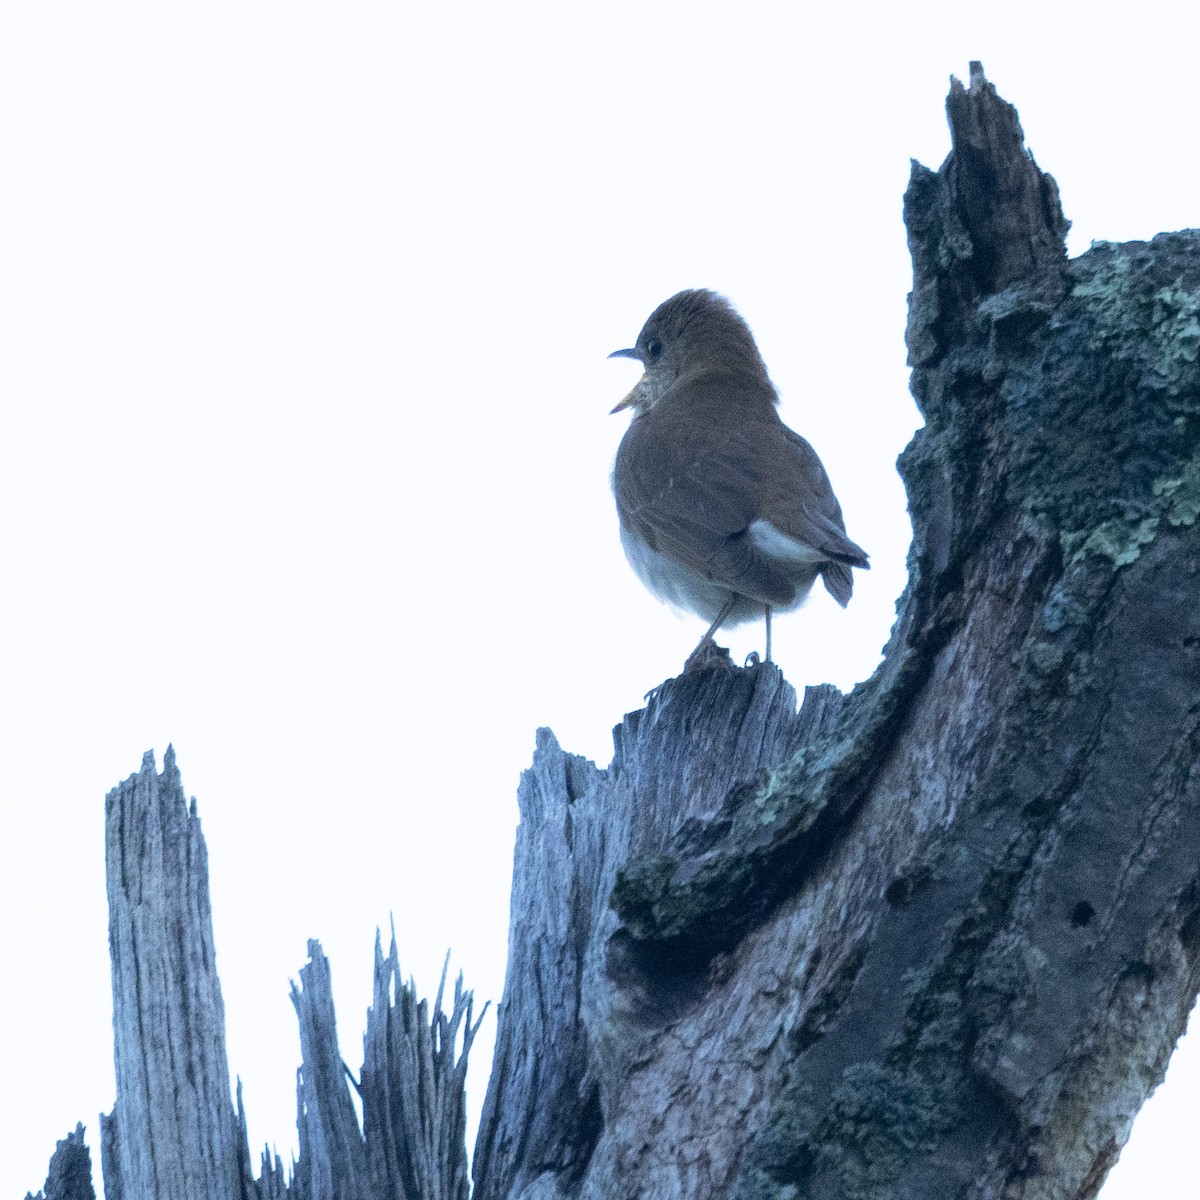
x=767 y=608
x=693 y=659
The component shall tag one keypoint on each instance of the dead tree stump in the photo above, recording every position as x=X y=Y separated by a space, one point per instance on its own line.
x=937 y=937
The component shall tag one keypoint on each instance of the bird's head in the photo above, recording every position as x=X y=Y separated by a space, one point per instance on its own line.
x=692 y=331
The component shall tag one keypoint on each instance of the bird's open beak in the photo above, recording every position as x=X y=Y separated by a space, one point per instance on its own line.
x=633 y=395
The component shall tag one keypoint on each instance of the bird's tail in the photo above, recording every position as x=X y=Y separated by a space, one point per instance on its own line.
x=839 y=582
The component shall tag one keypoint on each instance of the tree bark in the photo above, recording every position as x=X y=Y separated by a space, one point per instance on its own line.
x=938 y=937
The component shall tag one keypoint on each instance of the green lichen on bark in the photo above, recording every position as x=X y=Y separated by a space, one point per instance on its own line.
x=1119 y=541
x=881 y=1116
x=655 y=906
x=1136 y=317
x=646 y=898
x=1105 y=417
x=1181 y=494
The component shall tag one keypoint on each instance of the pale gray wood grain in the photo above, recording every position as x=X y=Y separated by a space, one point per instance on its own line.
x=333 y=1160
x=173 y=1134
x=413 y=1087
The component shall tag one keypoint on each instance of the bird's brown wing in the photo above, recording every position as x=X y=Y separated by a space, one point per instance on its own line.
x=803 y=506
x=691 y=493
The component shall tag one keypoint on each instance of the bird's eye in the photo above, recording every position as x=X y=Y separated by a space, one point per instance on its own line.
x=653 y=349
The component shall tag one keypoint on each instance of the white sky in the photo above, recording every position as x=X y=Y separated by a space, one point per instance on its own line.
x=305 y=452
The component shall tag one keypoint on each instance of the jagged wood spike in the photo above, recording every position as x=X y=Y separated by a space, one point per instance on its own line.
x=70 y=1173
x=332 y=1164
x=173 y=1133
x=414 y=1111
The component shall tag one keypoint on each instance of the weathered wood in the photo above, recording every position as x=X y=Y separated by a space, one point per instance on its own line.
x=173 y=1133
x=272 y=1183
x=333 y=1159
x=414 y=1087
x=412 y=1145
x=70 y=1174
x=939 y=937
x=701 y=737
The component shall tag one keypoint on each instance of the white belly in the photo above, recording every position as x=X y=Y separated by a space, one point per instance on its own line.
x=683 y=588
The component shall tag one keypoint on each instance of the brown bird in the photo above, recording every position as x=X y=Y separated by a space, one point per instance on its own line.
x=725 y=511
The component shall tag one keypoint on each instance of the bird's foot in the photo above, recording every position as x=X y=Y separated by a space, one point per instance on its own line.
x=707 y=655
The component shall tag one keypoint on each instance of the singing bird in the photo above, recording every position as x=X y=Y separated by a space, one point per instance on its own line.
x=724 y=510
